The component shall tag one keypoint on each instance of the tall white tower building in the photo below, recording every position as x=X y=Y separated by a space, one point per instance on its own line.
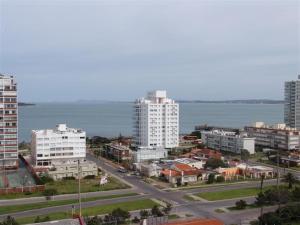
x=292 y=103
x=156 y=121
x=8 y=122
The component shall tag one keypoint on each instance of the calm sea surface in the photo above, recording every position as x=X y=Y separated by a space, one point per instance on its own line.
x=111 y=119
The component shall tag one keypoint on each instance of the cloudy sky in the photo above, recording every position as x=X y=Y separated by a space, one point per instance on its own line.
x=66 y=50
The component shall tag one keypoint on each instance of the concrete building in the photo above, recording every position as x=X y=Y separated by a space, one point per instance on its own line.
x=147 y=154
x=118 y=152
x=278 y=136
x=8 y=123
x=156 y=121
x=60 y=143
x=199 y=164
x=292 y=103
x=69 y=168
x=228 y=141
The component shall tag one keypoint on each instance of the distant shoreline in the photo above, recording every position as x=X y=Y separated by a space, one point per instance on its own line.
x=250 y=101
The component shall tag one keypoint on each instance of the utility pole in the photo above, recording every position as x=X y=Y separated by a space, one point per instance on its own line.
x=278 y=177
x=79 y=193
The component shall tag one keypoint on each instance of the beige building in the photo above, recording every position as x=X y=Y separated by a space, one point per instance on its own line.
x=64 y=169
x=278 y=136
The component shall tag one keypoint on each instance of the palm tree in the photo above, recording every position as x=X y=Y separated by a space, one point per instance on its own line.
x=290 y=179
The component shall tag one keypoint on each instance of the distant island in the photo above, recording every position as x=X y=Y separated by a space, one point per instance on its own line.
x=25 y=104
x=247 y=101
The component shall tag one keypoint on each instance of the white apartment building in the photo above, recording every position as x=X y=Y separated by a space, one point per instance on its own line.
x=8 y=123
x=156 y=121
x=292 y=103
x=57 y=144
x=228 y=141
x=278 y=136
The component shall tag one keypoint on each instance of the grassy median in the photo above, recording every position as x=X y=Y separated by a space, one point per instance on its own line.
x=99 y=210
x=24 y=207
x=229 y=194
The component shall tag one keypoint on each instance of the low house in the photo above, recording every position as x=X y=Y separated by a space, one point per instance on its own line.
x=181 y=174
x=229 y=172
x=291 y=160
x=196 y=222
x=199 y=164
x=257 y=171
x=150 y=170
x=69 y=168
x=204 y=153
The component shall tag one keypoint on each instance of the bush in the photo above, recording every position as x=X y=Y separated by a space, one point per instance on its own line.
x=46 y=179
x=9 y=221
x=50 y=192
x=211 y=178
x=69 y=178
x=89 y=177
x=135 y=220
x=144 y=214
x=220 y=179
x=241 y=204
x=155 y=211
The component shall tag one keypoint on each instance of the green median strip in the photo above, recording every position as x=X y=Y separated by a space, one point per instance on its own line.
x=229 y=194
x=25 y=207
x=98 y=210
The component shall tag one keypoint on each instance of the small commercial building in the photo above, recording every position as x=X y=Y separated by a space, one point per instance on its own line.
x=149 y=153
x=199 y=164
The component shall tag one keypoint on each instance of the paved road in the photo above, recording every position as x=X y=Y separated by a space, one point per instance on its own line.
x=198 y=209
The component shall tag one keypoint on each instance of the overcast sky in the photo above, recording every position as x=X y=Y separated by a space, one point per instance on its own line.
x=66 y=50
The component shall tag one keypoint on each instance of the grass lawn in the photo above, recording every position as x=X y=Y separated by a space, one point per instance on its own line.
x=25 y=207
x=70 y=187
x=229 y=194
x=99 y=210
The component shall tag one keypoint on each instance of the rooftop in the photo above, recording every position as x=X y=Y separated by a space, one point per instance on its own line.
x=198 y=222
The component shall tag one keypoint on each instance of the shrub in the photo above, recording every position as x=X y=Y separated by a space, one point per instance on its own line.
x=241 y=204
x=156 y=211
x=69 y=178
x=144 y=214
x=89 y=177
x=50 y=192
x=211 y=178
x=135 y=220
x=46 y=179
x=220 y=179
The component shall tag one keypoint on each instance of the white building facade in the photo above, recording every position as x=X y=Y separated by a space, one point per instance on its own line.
x=228 y=141
x=57 y=144
x=292 y=103
x=278 y=136
x=148 y=154
x=156 y=121
x=8 y=122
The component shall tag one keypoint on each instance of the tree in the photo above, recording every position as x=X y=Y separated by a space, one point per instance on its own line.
x=290 y=179
x=211 y=178
x=270 y=218
x=134 y=220
x=155 y=211
x=93 y=220
x=167 y=209
x=241 y=204
x=245 y=155
x=262 y=178
x=9 y=221
x=214 y=163
x=144 y=214
x=296 y=194
x=118 y=215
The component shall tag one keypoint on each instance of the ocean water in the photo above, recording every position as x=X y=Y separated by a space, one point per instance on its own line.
x=111 y=119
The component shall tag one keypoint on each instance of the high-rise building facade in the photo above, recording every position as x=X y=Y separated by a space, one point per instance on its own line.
x=156 y=121
x=8 y=122
x=292 y=103
x=61 y=143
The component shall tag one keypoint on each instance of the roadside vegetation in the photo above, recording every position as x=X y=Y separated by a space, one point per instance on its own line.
x=96 y=211
x=25 y=207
